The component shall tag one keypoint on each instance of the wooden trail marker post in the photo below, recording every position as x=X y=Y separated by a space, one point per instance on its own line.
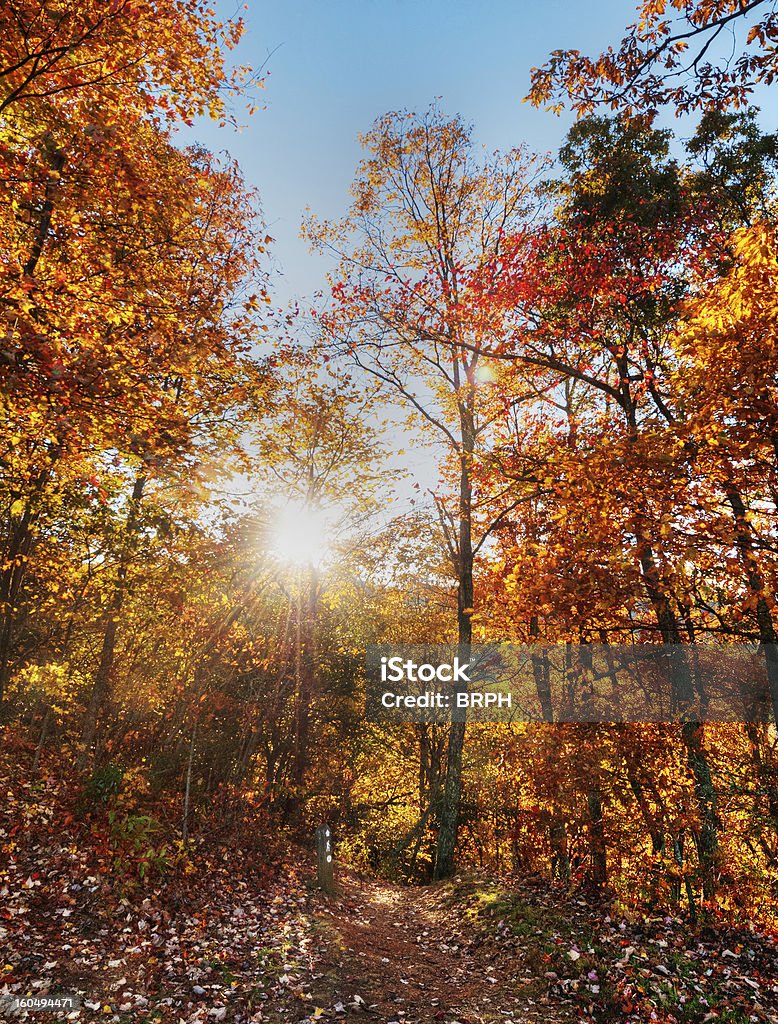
x=324 y=857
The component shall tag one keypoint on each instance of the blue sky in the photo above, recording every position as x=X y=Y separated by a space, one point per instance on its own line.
x=336 y=65
x=339 y=64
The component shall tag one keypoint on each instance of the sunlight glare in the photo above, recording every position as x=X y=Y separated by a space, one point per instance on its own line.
x=301 y=534
x=486 y=373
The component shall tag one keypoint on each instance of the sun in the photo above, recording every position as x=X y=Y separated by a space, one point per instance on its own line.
x=301 y=534
x=486 y=373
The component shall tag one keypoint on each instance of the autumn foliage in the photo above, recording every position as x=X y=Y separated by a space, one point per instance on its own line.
x=582 y=351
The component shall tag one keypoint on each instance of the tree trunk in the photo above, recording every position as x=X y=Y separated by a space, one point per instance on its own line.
x=654 y=826
x=756 y=584
x=691 y=731
x=102 y=683
x=678 y=843
x=305 y=674
x=452 y=792
x=21 y=538
x=39 y=748
x=15 y=560
x=188 y=787
x=598 y=872
x=707 y=802
x=540 y=672
x=560 y=857
x=11 y=580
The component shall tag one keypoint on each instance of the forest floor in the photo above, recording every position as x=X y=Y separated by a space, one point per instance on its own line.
x=415 y=954
x=466 y=951
x=227 y=934
x=475 y=951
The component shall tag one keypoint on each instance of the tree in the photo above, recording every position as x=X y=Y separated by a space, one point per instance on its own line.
x=164 y=56
x=425 y=215
x=669 y=60
x=118 y=250
x=726 y=382
x=125 y=355
x=135 y=363
x=595 y=298
x=318 y=459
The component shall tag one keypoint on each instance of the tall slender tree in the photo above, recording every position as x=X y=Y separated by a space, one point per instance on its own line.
x=426 y=214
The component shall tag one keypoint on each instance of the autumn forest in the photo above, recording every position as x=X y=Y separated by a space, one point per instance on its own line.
x=534 y=402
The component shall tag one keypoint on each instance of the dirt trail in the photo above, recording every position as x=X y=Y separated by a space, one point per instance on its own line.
x=409 y=954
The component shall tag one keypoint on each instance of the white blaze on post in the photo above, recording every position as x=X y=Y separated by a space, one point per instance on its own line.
x=324 y=857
